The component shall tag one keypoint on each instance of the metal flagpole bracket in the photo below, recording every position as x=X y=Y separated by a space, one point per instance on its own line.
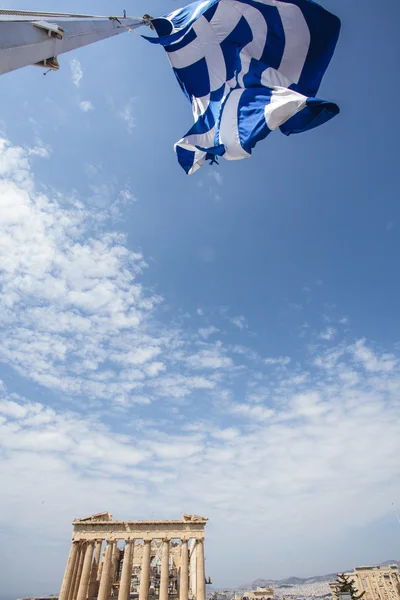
x=52 y=29
x=148 y=21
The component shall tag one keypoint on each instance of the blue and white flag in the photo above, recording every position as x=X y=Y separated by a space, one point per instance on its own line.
x=247 y=67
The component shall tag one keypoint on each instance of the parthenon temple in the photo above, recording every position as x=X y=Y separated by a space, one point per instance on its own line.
x=147 y=560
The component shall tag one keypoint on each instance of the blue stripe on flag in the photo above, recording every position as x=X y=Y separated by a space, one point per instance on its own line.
x=233 y=44
x=324 y=33
x=252 y=126
x=275 y=42
x=314 y=114
x=187 y=39
x=185 y=158
x=210 y=12
x=195 y=78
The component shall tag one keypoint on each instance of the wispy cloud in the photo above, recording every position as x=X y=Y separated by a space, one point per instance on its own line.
x=216 y=175
x=328 y=334
x=126 y=114
x=76 y=71
x=120 y=403
x=240 y=322
x=281 y=361
x=212 y=357
x=86 y=105
x=40 y=151
x=384 y=363
x=205 y=332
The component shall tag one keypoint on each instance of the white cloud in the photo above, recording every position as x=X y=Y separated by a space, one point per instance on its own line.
x=205 y=332
x=309 y=405
x=86 y=105
x=281 y=361
x=138 y=356
x=39 y=151
x=134 y=407
x=372 y=362
x=259 y=413
x=328 y=334
x=216 y=175
x=126 y=114
x=295 y=305
x=211 y=358
x=228 y=434
x=257 y=397
x=76 y=71
x=69 y=301
x=240 y=322
x=127 y=196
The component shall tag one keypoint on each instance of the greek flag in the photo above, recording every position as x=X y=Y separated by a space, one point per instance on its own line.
x=247 y=67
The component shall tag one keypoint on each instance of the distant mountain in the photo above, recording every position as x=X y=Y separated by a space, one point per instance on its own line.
x=300 y=580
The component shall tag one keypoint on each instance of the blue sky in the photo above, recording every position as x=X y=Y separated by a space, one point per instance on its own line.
x=225 y=344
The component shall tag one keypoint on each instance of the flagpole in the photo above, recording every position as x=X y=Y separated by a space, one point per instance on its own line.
x=26 y=39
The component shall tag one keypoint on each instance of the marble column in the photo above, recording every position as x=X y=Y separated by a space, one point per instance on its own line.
x=94 y=575
x=200 y=571
x=114 y=563
x=184 y=575
x=145 y=572
x=164 y=580
x=105 y=581
x=69 y=571
x=85 y=576
x=126 y=573
x=77 y=578
x=75 y=571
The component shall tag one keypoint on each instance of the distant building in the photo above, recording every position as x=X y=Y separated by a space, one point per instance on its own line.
x=378 y=583
x=260 y=593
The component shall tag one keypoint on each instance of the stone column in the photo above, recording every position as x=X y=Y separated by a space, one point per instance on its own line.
x=164 y=580
x=184 y=577
x=126 y=573
x=145 y=572
x=192 y=570
x=114 y=564
x=75 y=571
x=105 y=581
x=200 y=571
x=85 y=576
x=77 y=578
x=69 y=571
x=94 y=575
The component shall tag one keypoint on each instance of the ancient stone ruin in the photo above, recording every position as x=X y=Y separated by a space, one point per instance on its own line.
x=147 y=560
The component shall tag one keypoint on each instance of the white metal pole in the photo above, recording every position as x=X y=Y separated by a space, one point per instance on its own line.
x=29 y=42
